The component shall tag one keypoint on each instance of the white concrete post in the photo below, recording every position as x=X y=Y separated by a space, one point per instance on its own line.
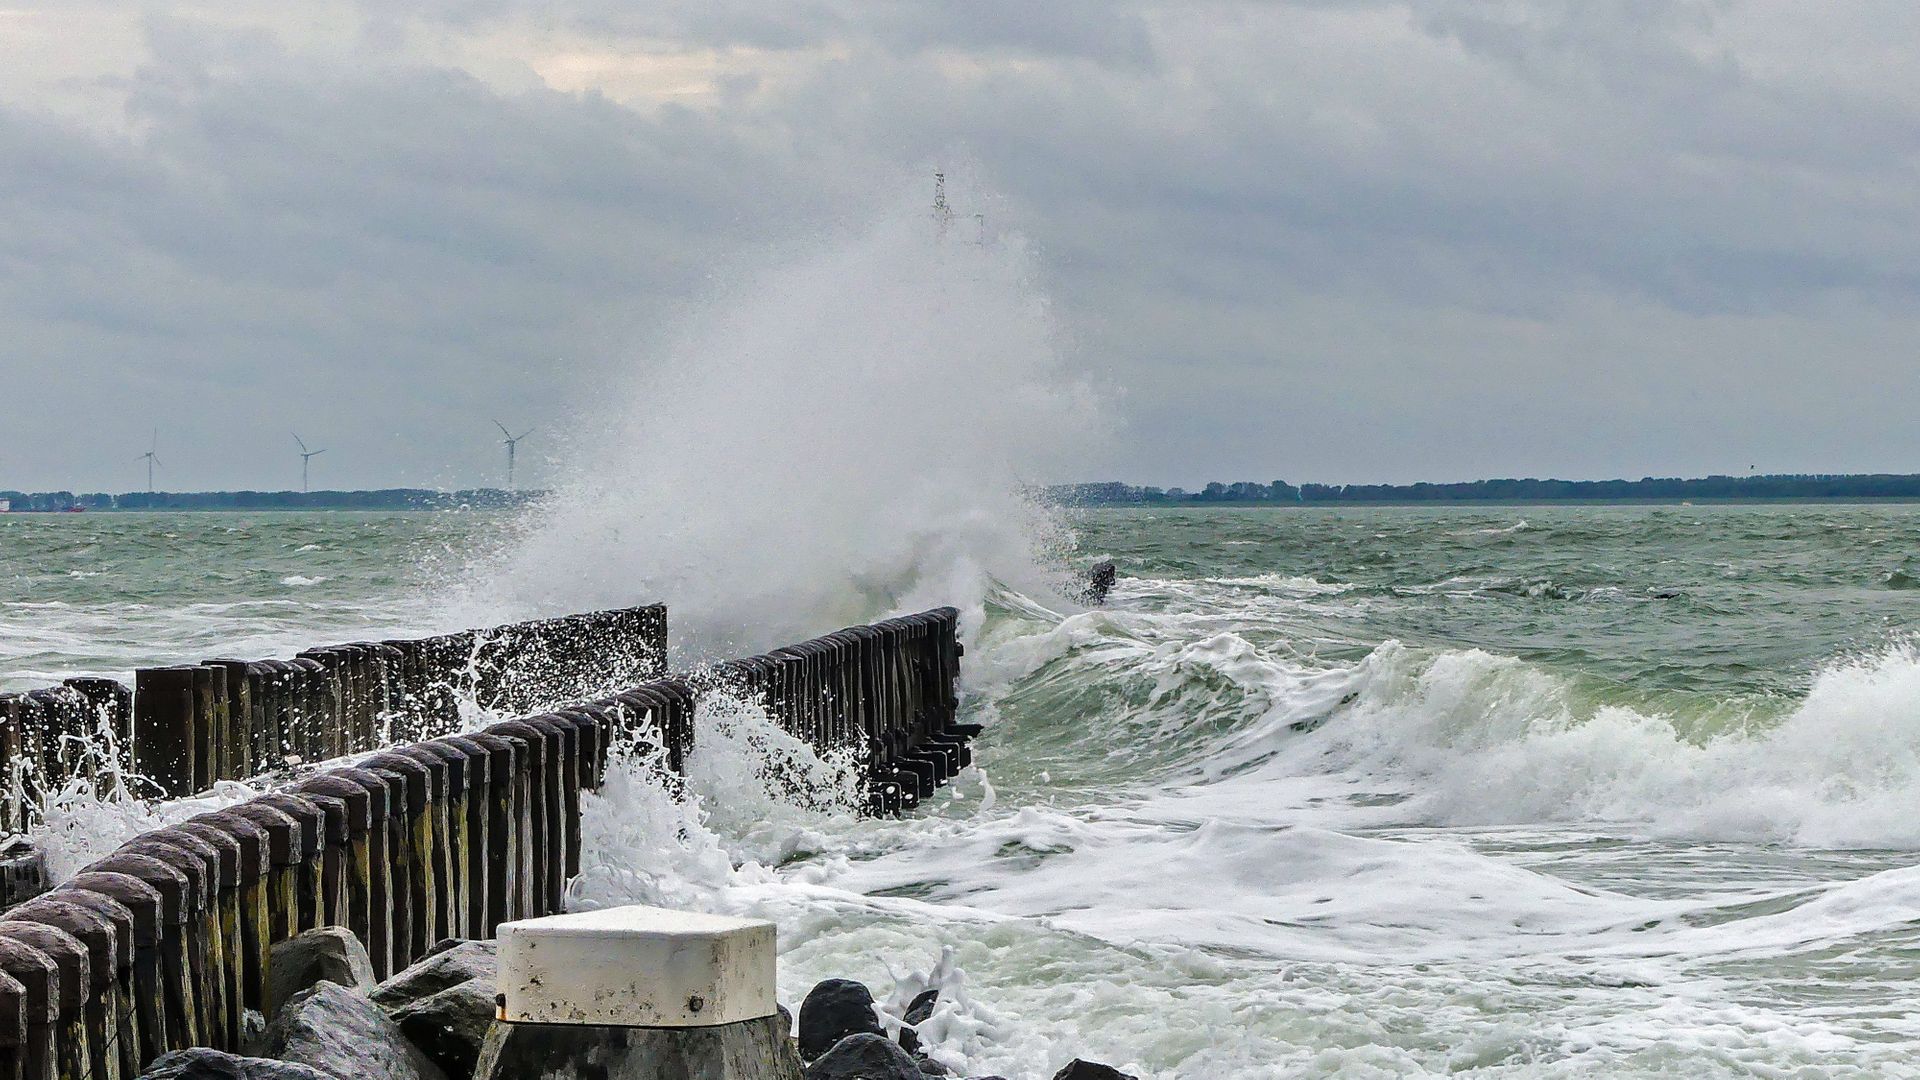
x=638 y=992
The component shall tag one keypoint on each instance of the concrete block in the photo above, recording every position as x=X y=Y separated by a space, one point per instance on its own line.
x=637 y=967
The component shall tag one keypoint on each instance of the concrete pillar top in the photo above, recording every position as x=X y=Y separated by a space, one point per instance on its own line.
x=637 y=967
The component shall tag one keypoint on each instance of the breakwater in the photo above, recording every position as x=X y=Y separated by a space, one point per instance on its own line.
x=167 y=942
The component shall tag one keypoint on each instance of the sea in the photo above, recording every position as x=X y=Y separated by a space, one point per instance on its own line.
x=1485 y=791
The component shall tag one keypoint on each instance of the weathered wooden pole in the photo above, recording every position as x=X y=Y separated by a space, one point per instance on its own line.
x=39 y=979
x=226 y=952
x=369 y=895
x=164 y=738
x=73 y=1055
x=143 y=1015
x=251 y=935
x=175 y=1023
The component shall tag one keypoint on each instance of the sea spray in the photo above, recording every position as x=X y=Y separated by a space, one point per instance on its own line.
x=846 y=434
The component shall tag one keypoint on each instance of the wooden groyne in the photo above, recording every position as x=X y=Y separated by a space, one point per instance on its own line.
x=182 y=727
x=163 y=944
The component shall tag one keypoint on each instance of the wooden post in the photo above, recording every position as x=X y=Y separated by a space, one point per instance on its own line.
x=58 y=921
x=143 y=1017
x=164 y=739
x=226 y=953
x=251 y=936
x=199 y=863
x=176 y=1020
x=39 y=977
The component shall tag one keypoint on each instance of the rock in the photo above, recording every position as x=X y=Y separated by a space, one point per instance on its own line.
x=832 y=1011
x=864 y=1057
x=450 y=1026
x=201 y=1064
x=450 y=963
x=345 y=1035
x=930 y=1067
x=1091 y=1070
x=328 y=954
x=747 y=1050
x=919 y=1010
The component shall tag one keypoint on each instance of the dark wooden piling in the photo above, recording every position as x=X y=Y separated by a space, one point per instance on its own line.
x=144 y=1031
x=39 y=978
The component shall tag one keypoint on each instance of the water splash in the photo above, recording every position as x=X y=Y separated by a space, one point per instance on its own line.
x=846 y=434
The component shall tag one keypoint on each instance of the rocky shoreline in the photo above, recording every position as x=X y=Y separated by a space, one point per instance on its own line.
x=329 y=1019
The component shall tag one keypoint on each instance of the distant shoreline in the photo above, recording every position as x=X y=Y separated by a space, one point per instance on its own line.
x=1863 y=487
x=389 y=499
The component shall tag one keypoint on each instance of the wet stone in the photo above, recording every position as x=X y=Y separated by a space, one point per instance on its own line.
x=203 y=1064
x=865 y=1057
x=832 y=1011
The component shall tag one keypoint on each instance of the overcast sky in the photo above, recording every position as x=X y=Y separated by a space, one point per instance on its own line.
x=1335 y=240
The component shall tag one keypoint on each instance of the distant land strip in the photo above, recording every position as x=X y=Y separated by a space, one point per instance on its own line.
x=53 y=502
x=1649 y=489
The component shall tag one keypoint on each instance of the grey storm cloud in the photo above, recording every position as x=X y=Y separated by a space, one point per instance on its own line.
x=1331 y=240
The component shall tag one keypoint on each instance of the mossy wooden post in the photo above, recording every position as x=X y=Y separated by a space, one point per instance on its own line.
x=281 y=872
x=13 y=1028
x=39 y=979
x=399 y=863
x=12 y=812
x=308 y=874
x=112 y=712
x=164 y=739
x=581 y=730
x=553 y=836
x=73 y=1056
x=209 y=725
x=561 y=773
x=226 y=953
x=200 y=865
x=252 y=936
x=502 y=830
x=307 y=709
x=333 y=703
x=369 y=897
x=31 y=720
x=362 y=663
x=331 y=896
x=416 y=848
x=349 y=870
x=143 y=1020
x=440 y=866
x=404 y=689
x=239 y=733
x=106 y=929
x=90 y=1053
x=530 y=819
x=476 y=802
x=177 y=1008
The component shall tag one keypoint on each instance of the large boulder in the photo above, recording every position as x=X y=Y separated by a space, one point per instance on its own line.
x=203 y=1064
x=326 y=954
x=345 y=1035
x=832 y=1011
x=450 y=963
x=1091 y=1070
x=449 y=1026
x=865 y=1057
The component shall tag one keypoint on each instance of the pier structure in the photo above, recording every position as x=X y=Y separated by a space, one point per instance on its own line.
x=167 y=942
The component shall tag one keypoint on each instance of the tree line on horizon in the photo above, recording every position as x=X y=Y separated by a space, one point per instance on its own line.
x=1772 y=486
x=380 y=499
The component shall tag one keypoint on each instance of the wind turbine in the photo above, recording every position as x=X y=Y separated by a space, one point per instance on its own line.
x=150 y=459
x=306 y=455
x=513 y=442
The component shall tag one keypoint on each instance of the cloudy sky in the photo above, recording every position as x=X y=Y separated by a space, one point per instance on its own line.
x=1337 y=240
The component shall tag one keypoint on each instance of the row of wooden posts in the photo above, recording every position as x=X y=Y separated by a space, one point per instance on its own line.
x=185 y=726
x=166 y=943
